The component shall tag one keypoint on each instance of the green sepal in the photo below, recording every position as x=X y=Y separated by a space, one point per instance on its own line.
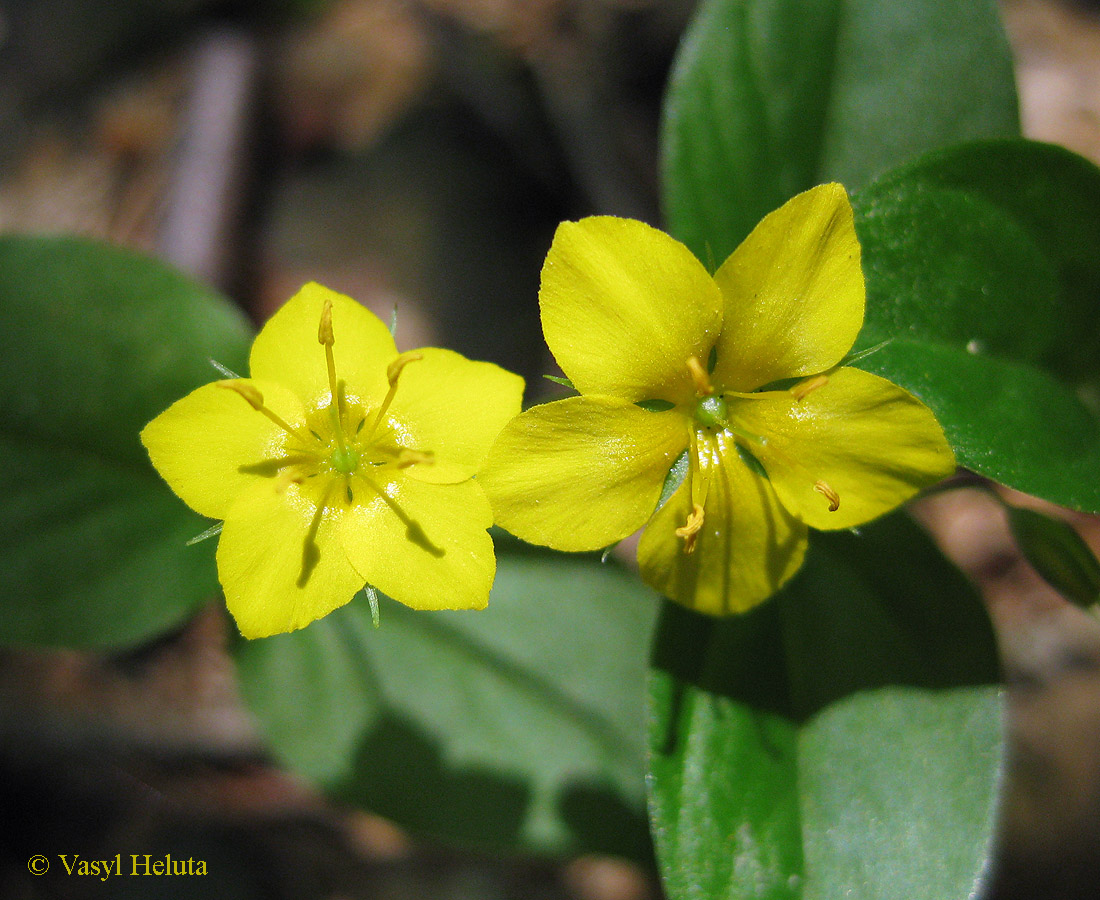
x=655 y=405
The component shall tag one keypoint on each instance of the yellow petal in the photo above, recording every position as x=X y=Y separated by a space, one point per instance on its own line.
x=206 y=444
x=581 y=473
x=279 y=569
x=623 y=308
x=747 y=548
x=793 y=293
x=287 y=351
x=454 y=408
x=870 y=442
x=435 y=554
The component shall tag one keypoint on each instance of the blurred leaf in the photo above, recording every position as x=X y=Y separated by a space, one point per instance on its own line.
x=1058 y=553
x=983 y=269
x=94 y=342
x=517 y=726
x=841 y=740
x=770 y=97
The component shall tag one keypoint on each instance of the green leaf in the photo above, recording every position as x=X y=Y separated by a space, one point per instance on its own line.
x=1058 y=553
x=518 y=726
x=94 y=342
x=843 y=739
x=983 y=266
x=770 y=97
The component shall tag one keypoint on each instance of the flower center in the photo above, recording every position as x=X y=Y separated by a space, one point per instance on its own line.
x=714 y=436
x=344 y=460
x=340 y=441
x=325 y=453
x=711 y=412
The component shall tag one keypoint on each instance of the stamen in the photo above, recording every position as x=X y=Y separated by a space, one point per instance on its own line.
x=699 y=484
x=324 y=329
x=699 y=377
x=393 y=373
x=407 y=457
x=248 y=391
x=256 y=401
x=832 y=496
x=804 y=388
x=690 y=529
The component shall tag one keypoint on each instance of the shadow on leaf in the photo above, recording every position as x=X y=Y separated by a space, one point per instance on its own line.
x=871 y=608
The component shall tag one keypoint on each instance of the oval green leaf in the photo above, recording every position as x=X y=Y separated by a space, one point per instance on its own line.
x=770 y=97
x=844 y=739
x=520 y=726
x=983 y=267
x=94 y=342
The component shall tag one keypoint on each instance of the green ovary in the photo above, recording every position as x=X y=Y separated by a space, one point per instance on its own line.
x=344 y=460
x=711 y=412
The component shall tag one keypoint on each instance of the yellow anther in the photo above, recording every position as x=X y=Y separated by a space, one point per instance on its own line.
x=699 y=376
x=393 y=372
x=804 y=388
x=829 y=494
x=324 y=330
x=246 y=390
x=409 y=457
x=690 y=529
x=256 y=401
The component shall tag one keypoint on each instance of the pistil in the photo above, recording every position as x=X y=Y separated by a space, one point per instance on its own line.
x=327 y=339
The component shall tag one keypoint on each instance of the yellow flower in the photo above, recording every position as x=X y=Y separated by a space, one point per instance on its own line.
x=743 y=371
x=339 y=462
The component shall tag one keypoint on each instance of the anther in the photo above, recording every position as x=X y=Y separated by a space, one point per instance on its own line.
x=246 y=390
x=393 y=371
x=409 y=457
x=256 y=401
x=804 y=388
x=699 y=377
x=690 y=529
x=829 y=494
x=324 y=329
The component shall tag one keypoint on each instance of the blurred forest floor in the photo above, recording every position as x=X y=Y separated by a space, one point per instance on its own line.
x=418 y=153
